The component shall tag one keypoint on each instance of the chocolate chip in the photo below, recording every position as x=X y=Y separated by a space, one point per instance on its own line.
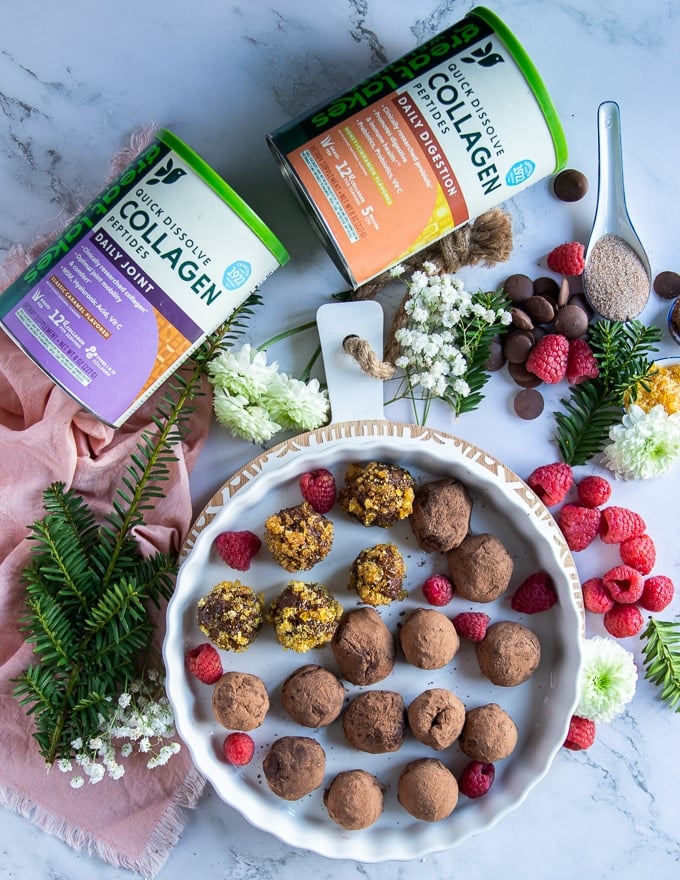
x=517 y=288
x=528 y=403
x=547 y=287
x=673 y=321
x=520 y=319
x=564 y=294
x=517 y=345
x=496 y=357
x=522 y=377
x=667 y=285
x=540 y=309
x=570 y=185
x=571 y=321
x=578 y=299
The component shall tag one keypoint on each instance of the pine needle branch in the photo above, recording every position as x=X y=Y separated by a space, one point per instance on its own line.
x=661 y=652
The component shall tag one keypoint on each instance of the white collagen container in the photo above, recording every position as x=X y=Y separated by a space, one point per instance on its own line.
x=154 y=264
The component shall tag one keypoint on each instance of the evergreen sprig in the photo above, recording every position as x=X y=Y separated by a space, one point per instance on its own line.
x=623 y=352
x=89 y=589
x=661 y=652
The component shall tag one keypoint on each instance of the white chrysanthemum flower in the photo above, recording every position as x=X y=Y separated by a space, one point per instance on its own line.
x=608 y=679
x=245 y=371
x=252 y=422
x=644 y=445
x=296 y=404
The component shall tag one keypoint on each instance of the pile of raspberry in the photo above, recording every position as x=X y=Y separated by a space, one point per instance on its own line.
x=628 y=588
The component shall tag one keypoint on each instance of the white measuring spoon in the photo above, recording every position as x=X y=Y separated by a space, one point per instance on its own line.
x=611 y=212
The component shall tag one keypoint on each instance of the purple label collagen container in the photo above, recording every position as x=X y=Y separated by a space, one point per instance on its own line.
x=135 y=283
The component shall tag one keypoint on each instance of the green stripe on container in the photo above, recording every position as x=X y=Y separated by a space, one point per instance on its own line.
x=226 y=193
x=534 y=80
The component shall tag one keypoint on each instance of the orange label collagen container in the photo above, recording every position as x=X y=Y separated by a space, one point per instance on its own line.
x=136 y=282
x=432 y=140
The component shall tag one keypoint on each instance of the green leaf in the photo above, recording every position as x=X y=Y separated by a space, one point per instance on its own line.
x=661 y=652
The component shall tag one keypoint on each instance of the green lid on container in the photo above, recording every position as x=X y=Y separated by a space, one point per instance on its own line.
x=534 y=80
x=226 y=193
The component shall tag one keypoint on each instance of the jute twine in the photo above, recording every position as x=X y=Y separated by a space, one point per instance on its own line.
x=487 y=240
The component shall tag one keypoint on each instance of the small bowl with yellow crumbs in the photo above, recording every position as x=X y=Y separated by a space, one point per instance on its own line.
x=663 y=386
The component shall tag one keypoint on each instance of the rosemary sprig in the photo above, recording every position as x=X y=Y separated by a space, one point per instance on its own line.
x=88 y=588
x=622 y=351
x=661 y=652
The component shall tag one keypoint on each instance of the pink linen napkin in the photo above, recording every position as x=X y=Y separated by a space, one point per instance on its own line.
x=45 y=436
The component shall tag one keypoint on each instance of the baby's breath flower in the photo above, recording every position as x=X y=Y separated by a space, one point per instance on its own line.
x=608 y=679
x=77 y=782
x=644 y=444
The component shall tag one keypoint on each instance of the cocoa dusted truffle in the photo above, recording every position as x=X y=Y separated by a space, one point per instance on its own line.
x=428 y=639
x=375 y=722
x=480 y=568
x=509 y=653
x=377 y=575
x=441 y=515
x=240 y=701
x=363 y=647
x=354 y=799
x=427 y=790
x=294 y=766
x=377 y=493
x=436 y=718
x=489 y=734
x=312 y=696
x=298 y=537
x=304 y=616
x=231 y=615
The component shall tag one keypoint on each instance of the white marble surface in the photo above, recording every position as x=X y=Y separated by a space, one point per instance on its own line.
x=76 y=78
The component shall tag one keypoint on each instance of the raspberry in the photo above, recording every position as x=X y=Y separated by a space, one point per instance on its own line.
x=567 y=258
x=623 y=621
x=471 y=625
x=476 y=779
x=581 y=733
x=581 y=363
x=318 y=489
x=238 y=748
x=618 y=524
x=593 y=491
x=639 y=552
x=657 y=593
x=548 y=358
x=596 y=598
x=551 y=482
x=204 y=662
x=624 y=584
x=579 y=525
x=536 y=593
x=237 y=549
x=438 y=590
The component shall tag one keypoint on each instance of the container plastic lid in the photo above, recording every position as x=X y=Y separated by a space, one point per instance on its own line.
x=226 y=193
x=534 y=80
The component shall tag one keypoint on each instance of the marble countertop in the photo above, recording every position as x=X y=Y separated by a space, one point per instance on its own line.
x=77 y=78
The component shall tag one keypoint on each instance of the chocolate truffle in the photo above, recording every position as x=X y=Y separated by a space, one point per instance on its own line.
x=427 y=789
x=489 y=734
x=363 y=647
x=436 y=718
x=377 y=575
x=354 y=799
x=294 y=766
x=570 y=185
x=240 y=701
x=480 y=568
x=298 y=537
x=304 y=616
x=428 y=639
x=375 y=722
x=312 y=696
x=509 y=653
x=441 y=514
x=231 y=615
x=377 y=493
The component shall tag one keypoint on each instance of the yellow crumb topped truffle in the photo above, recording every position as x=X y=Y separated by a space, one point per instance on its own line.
x=377 y=575
x=298 y=537
x=231 y=615
x=377 y=493
x=304 y=616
